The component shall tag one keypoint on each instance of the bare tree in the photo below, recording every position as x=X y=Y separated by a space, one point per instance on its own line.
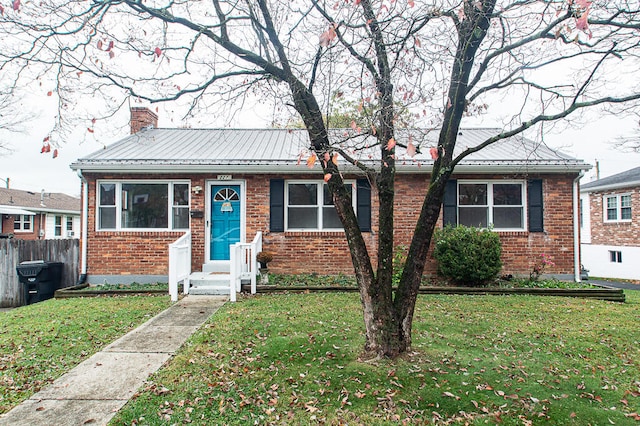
x=440 y=59
x=13 y=119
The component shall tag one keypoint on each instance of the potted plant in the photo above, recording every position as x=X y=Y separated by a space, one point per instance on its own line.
x=264 y=257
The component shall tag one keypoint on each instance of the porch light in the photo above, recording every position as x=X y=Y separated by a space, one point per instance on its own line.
x=197 y=189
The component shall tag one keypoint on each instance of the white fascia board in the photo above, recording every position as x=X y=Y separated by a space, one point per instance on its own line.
x=58 y=211
x=497 y=169
x=12 y=210
x=302 y=168
x=610 y=187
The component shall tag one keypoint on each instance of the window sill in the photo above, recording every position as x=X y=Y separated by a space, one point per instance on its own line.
x=314 y=233
x=140 y=231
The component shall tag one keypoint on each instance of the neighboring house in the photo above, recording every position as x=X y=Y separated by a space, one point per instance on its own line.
x=225 y=185
x=611 y=225
x=38 y=215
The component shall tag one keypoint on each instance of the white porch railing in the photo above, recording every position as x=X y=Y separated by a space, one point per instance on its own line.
x=179 y=265
x=244 y=265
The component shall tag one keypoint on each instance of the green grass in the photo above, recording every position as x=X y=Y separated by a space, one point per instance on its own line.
x=40 y=342
x=513 y=360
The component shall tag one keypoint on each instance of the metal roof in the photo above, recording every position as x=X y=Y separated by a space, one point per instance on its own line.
x=621 y=180
x=52 y=202
x=281 y=150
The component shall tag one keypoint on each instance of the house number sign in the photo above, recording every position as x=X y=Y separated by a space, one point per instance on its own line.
x=224 y=177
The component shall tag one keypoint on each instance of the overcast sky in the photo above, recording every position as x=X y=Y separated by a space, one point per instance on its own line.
x=28 y=169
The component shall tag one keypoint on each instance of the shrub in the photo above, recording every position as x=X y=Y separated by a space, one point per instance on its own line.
x=468 y=256
x=399 y=259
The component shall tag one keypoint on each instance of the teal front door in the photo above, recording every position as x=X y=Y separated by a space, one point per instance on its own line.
x=225 y=220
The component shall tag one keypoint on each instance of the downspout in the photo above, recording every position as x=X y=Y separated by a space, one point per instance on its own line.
x=84 y=228
x=576 y=228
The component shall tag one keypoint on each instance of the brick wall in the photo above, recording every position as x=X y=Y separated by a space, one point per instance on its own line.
x=33 y=234
x=520 y=250
x=143 y=252
x=614 y=233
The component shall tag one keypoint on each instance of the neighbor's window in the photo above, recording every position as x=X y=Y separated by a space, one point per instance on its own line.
x=497 y=204
x=23 y=223
x=615 y=256
x=57 y=226
x=69 y=226
x=310 y=206
x=617 y=208
x=143 y=205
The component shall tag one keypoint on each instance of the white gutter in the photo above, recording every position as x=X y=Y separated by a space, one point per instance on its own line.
x=576 y=228
x=279 y=168
x=85 y=226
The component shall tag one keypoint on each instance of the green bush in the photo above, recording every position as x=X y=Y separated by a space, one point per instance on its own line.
x=468 y=256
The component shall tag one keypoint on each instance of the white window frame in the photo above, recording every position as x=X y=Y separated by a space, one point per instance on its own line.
x=57 y=227
x=615 y=256
x=118 y=203
x=20 y=218
x=490 y=206
x=318 y=206
x=618 y=207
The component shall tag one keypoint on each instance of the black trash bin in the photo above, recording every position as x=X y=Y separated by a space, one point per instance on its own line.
x=40 y=279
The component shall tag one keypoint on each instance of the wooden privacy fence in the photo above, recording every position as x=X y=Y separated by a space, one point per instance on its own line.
x=13 y=251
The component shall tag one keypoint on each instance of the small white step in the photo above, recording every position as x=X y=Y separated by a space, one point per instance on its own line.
x=209 y=283
x=219 y=266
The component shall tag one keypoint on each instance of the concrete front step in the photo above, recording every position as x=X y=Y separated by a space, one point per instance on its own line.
x=209 y=283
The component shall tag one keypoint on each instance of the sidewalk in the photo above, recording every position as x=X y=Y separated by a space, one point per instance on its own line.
x=94 y=391
x=614 y=284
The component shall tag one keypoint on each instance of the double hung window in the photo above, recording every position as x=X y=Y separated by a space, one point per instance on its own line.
x=617 y=208
x=57 y=226
x=143 y=205
x=23 y=223
x=69 y=226
x=309 y=206
x=497 y=204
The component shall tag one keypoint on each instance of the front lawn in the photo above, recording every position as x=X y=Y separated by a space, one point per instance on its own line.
x=513 y=360
x=40 y=342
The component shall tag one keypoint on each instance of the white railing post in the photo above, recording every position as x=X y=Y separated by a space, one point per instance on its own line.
x=179 y=265
x=244 y=265
x=233 y=271
x=256 y=247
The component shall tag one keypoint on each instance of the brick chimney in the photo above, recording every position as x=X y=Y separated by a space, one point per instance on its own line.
x=142 y=117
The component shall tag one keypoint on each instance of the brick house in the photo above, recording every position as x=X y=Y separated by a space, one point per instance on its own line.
x=41 y=215
x=610 y=226
x=225 y=185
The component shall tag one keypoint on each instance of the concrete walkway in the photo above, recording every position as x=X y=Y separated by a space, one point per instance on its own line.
x=94 y=391
x=614 y=284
